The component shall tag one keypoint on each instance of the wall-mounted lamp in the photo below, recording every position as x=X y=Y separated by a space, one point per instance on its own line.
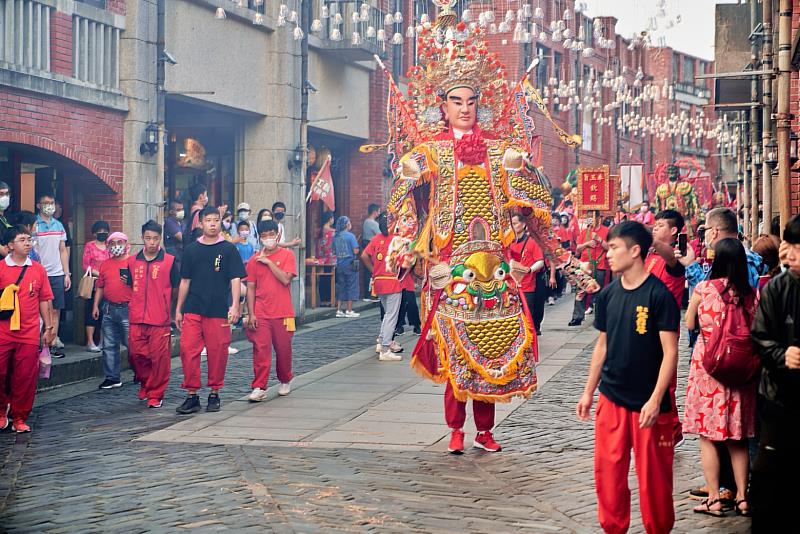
x=771 y=154
x=150 y=145
x=793 y=138
x=296 y=158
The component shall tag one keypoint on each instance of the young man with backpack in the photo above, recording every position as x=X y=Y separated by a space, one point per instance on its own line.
x=776 y=335
x=26 y=297
x=633 y=362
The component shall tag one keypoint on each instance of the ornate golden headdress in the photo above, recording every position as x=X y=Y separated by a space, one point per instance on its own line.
x=454 y=55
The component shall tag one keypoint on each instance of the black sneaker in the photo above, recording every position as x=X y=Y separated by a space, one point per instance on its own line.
x=574 y=322
x=213 y=403
x=399 y=331
x=417 y=330
x=190 y=405
x=56 y=353
x=110 y=384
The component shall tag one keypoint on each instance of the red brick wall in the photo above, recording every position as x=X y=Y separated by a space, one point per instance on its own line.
x=61 y=44
x=794 y=184
x=116 y=6
x=89 y=135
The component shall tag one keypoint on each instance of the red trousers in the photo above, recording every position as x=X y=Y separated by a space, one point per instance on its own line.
x=21 y=362
x=149 y=350
x=213 y=333
x=271 y=333
x=616 y=431
x=455 y=412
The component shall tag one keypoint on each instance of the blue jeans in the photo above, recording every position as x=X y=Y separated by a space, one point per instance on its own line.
x=115 y=331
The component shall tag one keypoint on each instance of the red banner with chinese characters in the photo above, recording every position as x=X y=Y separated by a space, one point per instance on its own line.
x=595 y=190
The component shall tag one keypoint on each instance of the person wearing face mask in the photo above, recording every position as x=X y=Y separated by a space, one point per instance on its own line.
x=645 y=216
x=94 y=254
x=270 y=319
x=591 y=248
x=246 y=250
x=51 y=247
x=346 y=248
x=5 y=202
x=228 y=229
x=243 y=213
x=112 y=295
x=173 y=229
x=279 y=213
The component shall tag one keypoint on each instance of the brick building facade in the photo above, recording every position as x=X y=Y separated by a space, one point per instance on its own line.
x=794 y=104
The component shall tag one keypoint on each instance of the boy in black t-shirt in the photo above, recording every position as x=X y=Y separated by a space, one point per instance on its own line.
x=211 y=271
x=634 y=361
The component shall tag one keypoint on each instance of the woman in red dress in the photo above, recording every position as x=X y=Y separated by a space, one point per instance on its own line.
x=717 y=413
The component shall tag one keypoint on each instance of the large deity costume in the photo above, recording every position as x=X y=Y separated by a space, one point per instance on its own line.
x=476 y=336
x=676 y=194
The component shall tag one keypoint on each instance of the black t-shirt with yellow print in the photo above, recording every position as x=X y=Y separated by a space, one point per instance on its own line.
x=632 y=320
x=210 y=269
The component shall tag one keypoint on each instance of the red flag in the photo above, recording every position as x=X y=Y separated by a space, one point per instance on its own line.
x=322 y=186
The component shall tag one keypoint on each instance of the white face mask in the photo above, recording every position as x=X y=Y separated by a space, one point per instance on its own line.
x=269 y=242
x=116 y=250
x=644 y=209
x=180 y=214
x=49 y=210
x=244 y=215
x=5 y=201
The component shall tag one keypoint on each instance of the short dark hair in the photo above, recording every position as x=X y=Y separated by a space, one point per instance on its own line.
x=4 y=185
x=24 y=217
x=724 y=219
x=633 y=233
x=196 y=190
x=775 y=226
x=674 y=219
x=205 y=212
x=277 y=205
x=152 y=226
x=100 y=225
x=47 y=194
x=567 y=203
x=791 y=234
x=11 y=234
x=243 y=223
x=267 y=226
x=372 y=208
x=730 y=261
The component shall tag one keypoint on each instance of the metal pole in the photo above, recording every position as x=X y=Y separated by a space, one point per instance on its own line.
x=746 y=168
x=305 y=21
x=754 y=145
x=766 y=111
x=783 y=115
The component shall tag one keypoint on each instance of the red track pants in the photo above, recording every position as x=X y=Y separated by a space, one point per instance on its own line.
x=213 y=333
x=271 y=333
x=21 y=362
x=616 y=431
x=149 y=349
x=455 y=412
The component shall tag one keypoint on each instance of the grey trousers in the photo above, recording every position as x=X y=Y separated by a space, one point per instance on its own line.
x=391 y=307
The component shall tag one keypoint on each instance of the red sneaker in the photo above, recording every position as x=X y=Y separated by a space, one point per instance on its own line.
x=142 y=394
x=485 y=441
x=154 y=403
x=20 y=426
x=456 y=442
x=4 y=417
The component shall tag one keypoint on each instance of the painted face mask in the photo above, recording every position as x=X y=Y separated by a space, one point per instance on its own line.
x=49 y=209
x=116 y=250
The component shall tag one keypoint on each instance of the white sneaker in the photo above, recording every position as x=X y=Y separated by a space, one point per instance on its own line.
x=257 y=395
x=589 y=311
x=340 y=313
x=204 y=352
x=284 y=389
x=395 y=347
x=551 y=301
x=58 y=343
x=352 y=314
x=232 y=350
x=378 y=346
x=389 y=356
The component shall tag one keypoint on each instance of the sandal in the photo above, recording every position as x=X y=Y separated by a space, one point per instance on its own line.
x=705 y=508
x=746 y=512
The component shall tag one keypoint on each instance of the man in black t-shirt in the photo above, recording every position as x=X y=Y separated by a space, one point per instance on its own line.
x=210 y=273
x=634 y=361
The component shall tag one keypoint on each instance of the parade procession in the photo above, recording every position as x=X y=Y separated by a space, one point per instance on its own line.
x=524 y=265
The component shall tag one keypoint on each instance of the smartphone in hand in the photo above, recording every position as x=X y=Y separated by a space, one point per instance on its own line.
x=682 y=244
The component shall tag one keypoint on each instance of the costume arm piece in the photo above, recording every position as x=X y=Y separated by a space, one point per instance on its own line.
x=415 y=169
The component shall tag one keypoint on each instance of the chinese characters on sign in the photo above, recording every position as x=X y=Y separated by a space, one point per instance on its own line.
x=595 y=190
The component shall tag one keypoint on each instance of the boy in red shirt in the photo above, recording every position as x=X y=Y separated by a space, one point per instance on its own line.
x=387 y=286
x=19 y=334
x=112 y=296
x=270 y=320
x=154 y=275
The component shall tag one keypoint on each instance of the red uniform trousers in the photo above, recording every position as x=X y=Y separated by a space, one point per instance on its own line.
x=213 y=333
x=149 y=348
x=616 y=431
x=455 y=412
x=271 y=333
x=19 y=369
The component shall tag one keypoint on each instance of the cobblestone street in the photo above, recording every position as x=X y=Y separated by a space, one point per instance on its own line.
x=95 y=463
